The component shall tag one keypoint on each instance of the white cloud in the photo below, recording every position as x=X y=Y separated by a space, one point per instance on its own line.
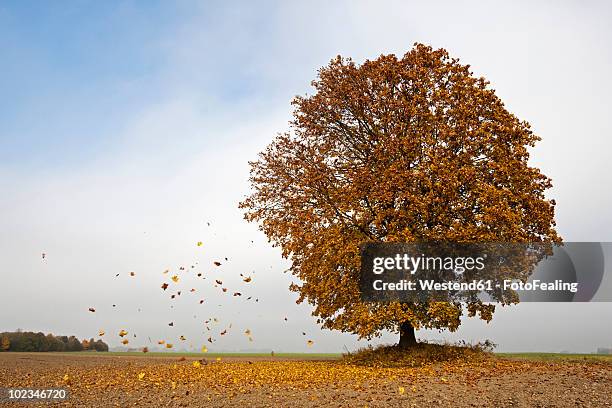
x=182 y=161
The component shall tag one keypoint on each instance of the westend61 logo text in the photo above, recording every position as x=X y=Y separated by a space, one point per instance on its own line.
x=413 y=264
x=488 y=271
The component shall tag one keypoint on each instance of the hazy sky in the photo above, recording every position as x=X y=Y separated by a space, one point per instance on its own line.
x=126 y=126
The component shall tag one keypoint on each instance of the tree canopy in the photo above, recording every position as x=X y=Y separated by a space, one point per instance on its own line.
x=395 y=150
x=32 y=342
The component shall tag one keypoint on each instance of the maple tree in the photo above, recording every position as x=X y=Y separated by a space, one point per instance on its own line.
x=395 y=150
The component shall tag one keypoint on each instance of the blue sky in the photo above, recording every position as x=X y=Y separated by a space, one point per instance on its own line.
x=125 y=126
x=68 y=65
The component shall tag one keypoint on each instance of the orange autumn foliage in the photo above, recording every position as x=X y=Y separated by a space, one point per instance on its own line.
x=394 y=150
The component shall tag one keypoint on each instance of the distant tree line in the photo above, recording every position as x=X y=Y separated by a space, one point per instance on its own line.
x=30 y=341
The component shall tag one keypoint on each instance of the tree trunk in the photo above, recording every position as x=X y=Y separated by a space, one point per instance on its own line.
x=407 y=335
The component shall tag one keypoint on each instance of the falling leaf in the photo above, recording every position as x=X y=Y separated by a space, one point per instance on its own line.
x=201 y=301
x=309 y=343
x=217 y=263
x=145 y=349
x=247 y=332
x=125 y=341
x=91 y=309
x=164 y=286
x=210 y=340
x=175 y=278
x=123 y=333
x=199 y=243
x=101 y=333
x=171 y=324
x=168 y=345
x=192 y=290
x=247 y=279
x=182 y=338
x=166 y=271
x=224 y=290
x=204 y=349
x=224 y=332
x=237 y=294
x=132 y=273
x=161 y=341
x=218 y=282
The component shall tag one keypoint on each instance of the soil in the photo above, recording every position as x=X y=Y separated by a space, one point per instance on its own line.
x=110 y=381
